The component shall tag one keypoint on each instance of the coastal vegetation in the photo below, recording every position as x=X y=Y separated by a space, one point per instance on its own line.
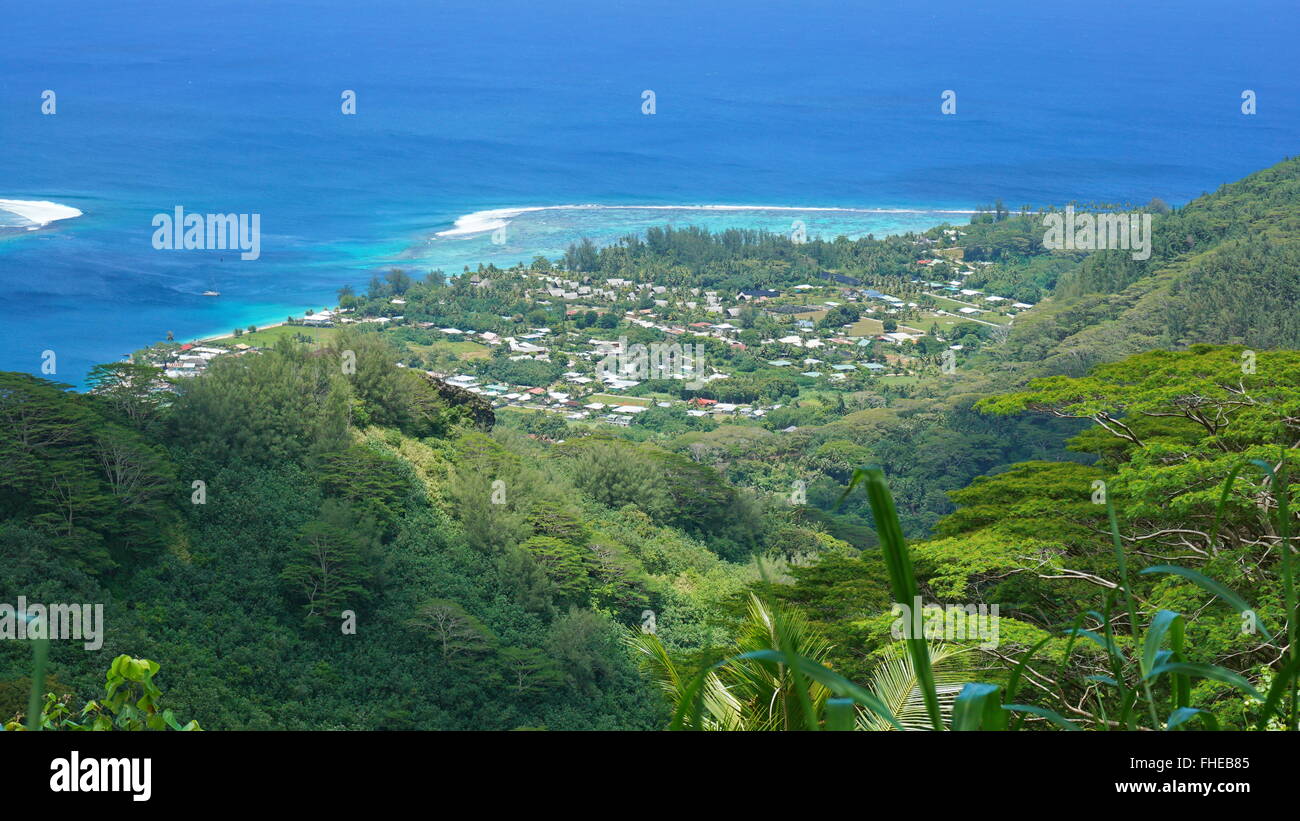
x=351 y=526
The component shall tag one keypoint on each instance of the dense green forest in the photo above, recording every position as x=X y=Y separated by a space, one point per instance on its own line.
x=317 y=536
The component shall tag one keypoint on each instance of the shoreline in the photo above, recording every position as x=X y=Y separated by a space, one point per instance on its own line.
x=654 y=212
x=231 y=335
x=491 y=219
x=477 y=223
x=487 y=220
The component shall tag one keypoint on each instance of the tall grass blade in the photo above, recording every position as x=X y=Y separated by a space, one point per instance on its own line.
x=1122 y=562
x=40 y=654
x=1210 y=671
x=1052 y=716
x=902 y=578
x=1211 y=586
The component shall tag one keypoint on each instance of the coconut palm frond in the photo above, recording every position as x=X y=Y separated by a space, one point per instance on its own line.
x=771 y=692
x=721 y=709
x=894 y=682
x=652 y=657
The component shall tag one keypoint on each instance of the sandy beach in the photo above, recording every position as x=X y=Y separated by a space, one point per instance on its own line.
x=231 y=335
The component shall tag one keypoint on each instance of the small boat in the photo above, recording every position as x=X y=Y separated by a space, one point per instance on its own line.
x=212 y=293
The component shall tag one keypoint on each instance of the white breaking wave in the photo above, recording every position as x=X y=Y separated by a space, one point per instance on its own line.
x=481 y=222
x=40 y=212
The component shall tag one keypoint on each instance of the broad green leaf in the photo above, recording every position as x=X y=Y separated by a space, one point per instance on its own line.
x=979 y=707
x=1185 y=714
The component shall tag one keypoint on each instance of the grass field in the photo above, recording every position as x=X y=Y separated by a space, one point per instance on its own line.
x=269 y=336
x=814 y=312
x=462 y=350
x=995 y=316
x=950 y=304
x=866 y=326
x=945 y=323
x=900 y=380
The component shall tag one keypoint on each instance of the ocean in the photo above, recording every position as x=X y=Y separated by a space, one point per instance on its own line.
x=467 y=113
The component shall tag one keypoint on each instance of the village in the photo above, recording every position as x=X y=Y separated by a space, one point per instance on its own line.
x=625 y=348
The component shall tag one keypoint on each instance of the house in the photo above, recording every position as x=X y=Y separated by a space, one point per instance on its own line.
x=524 y=347
x=324 y=319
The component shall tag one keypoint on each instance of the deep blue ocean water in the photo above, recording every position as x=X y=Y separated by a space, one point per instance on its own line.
x=467 y=106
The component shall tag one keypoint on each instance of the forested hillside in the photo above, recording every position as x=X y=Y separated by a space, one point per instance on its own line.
x=491 y=578
x=1222 y=271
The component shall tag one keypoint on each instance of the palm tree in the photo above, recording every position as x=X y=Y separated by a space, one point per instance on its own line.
x=747 y=691
x=776 y=679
